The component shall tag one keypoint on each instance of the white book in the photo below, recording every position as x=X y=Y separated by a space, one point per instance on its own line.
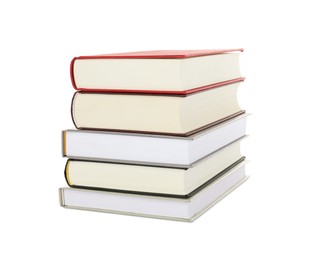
x=187 y=209
x=151 y=149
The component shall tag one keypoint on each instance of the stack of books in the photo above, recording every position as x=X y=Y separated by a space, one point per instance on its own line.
x=158 y=133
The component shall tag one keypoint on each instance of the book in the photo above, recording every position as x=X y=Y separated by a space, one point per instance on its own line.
x=165 y=71
x=151 y=149
x=183 y=209
x=166 y=114
x=172 y=181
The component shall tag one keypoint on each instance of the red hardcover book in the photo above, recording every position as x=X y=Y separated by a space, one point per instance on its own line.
x=179 y=72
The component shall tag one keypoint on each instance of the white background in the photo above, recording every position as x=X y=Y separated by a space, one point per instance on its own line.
x=266 y=218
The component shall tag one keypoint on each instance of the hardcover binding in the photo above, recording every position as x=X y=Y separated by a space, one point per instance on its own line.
x=241 y=112
x=186 y=196
x=161 y=54
x=162 y=92
x=193 y=218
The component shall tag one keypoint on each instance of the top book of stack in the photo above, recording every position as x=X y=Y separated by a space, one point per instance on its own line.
x=176 y=72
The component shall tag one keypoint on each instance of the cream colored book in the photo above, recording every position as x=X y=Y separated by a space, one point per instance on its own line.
x=166 y=114
x=166 y=71
x=151 y=179
x=152 y=149
x=182 y=209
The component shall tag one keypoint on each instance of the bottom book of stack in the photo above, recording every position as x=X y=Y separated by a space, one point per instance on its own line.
x=166 y=206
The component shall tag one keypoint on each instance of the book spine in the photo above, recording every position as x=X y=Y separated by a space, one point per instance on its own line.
x=61 y=197
x=64 y=143
x=72 y=111
x=66 y=172
x=72 y=73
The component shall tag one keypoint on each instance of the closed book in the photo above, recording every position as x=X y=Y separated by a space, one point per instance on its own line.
x=164 y=71
x=139 y=148
x=166 y=114
x=173 y=181
x=183 y=209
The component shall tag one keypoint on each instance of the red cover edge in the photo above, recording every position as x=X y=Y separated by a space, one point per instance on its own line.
x=161 y=54
x=123 y=55
x=165 y=92
x=72 y=73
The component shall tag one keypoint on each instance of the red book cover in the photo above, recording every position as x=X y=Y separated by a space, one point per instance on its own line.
x=160 y=54
x=157 y=54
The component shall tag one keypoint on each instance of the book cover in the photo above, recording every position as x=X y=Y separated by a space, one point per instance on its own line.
x=182 y=209
x=159 y=114
x=160 y=54
x=138 y=148
x=151 y=178
x=178 y=72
